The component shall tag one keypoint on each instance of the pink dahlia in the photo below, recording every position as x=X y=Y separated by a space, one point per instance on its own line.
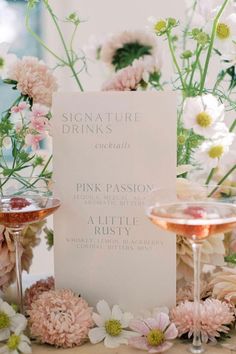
x=126 y=79
x=60 y=318
x=34 y=79
x=214 y=318
x=33 y=293
x=154 y=333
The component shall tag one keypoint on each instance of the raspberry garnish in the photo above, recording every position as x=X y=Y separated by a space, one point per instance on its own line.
x=195 y=211
x=19 y=203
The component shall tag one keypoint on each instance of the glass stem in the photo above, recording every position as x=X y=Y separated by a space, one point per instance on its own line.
x=197 y=343
x=17 y=237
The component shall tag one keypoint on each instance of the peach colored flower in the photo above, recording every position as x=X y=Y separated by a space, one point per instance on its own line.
x=60 y=318
x=7 y=252
x=154 y=333
x=33 y=293
x=126 y=79
x=224 y=285
x=214 y=318
x=211 y=247
x=186 y=292
x=34 y=79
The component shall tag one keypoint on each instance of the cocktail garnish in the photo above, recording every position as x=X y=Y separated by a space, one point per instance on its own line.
x=19 y=203
x=195 y=211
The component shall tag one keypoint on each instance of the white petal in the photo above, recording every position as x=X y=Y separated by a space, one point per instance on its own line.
x=4 y=334
x=4 y=350
x=130 y=334
x=4 y=307
x=25 y=339
x=18 y=323
x=96 y=335
x=114 y=342
x=104 y=309
x=126 y=318
x=25 y=348
x=99 y=321
x=171 y=332
x=116 y=313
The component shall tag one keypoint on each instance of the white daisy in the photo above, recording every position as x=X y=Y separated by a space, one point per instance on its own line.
x=10 y=321
x=225 y=33
x=205 y=11
x=111 y=326
x=203 y=114
x=209 y=153
x=5 y=59
x=16 y=344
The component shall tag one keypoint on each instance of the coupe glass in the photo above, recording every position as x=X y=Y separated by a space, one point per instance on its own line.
x=24 y=201
x=196 y=213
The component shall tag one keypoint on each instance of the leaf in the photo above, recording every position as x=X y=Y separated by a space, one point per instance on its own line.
x=125 y=55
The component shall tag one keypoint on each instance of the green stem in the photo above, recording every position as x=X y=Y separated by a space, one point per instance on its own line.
x=223 y=179
x=193 y=7
x=175 y=60
x=7 y=115
x=46 y=165
x=198 y=51
x=209 y=52
x=70 y=63
x=38 y=39
x=232 y=126
x=211 y=174
x=221 y=78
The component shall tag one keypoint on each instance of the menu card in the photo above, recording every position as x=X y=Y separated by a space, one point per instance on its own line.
x=110 y=150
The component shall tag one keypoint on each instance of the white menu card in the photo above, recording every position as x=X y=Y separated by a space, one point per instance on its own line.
x=110 y=150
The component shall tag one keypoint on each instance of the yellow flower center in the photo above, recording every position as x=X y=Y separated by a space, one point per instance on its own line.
x=113 y=327
x=181 y=139
x=4 y=320
x=155 y=337
x=13 y=342
x=216 y=152
x=1 y=62
x=204 y=120
x=222 y=31
x=160 y=26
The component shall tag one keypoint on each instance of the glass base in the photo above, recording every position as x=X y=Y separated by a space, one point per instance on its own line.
x=196 y=350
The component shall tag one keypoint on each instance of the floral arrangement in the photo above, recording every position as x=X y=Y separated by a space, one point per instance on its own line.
x=205 y=153
x=205 y=122
x=25 y=127
x=64 y=319
x=12 y=326
x=7 y=249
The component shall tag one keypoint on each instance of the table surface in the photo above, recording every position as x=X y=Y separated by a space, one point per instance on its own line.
x=177 y=348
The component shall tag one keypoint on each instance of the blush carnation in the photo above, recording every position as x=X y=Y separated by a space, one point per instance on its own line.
x=33 y=293
x=60 y=318
x=214 y=318
x=224 y=285
x=34 y=79
x=126 y=79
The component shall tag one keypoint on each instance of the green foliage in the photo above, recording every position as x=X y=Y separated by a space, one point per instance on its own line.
x=5 y=126
x=125 y=55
